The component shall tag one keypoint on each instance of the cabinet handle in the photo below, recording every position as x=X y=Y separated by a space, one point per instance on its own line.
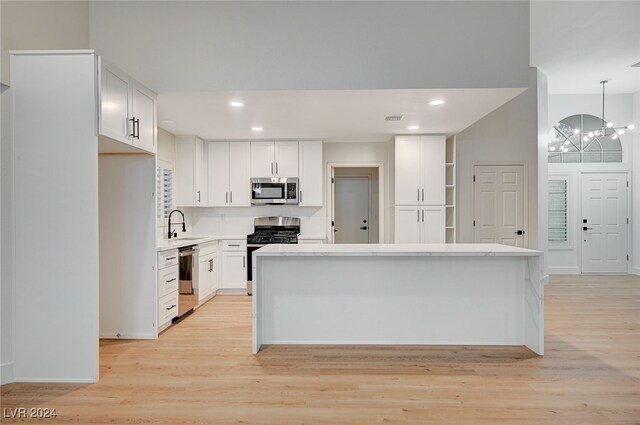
x=136 y=128
x=170 y=258
x=198 y=196
x=133 y=127
x=169 y=308
x=233 y=245
x=418 y=211
x=276 y=168
x=170 y=280
x=423 y=216
x=231 y=197
x=211 y=265
x=300 y=196
x=272 y=168
x=418 y=194
x=243 y=261
x=423 y=194
x=226 y=197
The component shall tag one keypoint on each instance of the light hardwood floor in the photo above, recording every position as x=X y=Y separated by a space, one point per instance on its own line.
x=202 y=371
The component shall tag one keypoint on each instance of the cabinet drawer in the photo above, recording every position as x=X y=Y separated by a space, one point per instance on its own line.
x=167 y=308
x=234 y=245
x=167 y=281
x=208 y=248
x=167 y=258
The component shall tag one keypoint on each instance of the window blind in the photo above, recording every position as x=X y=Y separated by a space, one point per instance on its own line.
x=557 y=211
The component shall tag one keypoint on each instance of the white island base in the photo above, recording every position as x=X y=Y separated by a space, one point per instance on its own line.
x=444 y=294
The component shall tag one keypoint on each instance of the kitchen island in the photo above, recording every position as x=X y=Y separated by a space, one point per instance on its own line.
x=419 y=294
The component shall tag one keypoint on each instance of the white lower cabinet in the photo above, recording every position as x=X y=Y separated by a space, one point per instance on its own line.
x=168 y=280
x=234 y=264
x=419 y=224
x=208 y=276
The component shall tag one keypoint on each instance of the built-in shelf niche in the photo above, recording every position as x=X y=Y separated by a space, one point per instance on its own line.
x=450 y=190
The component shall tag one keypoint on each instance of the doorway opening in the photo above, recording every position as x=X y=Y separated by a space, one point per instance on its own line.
x=356 y=203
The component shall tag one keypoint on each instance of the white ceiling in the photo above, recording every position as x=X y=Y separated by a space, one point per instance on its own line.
x=579 y=43
x=344 y=115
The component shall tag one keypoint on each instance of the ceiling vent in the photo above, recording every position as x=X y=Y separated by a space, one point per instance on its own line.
x=636 y=65
x=393 y=117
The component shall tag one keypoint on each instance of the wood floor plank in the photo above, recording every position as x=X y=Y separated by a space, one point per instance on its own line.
x=201 y=371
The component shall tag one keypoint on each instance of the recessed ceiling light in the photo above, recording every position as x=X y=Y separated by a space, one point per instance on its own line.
x=256 y=128
x=436 y=102
x=414 y=127
x=236 y=104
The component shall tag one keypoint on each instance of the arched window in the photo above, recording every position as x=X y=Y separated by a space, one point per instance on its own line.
x=571 y=141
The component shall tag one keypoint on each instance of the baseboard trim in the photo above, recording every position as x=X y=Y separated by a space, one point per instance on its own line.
x=635 y=270
x=232 y=291
x=6 y=373
x=127 y=336
x=564 y=270
x=57 y=380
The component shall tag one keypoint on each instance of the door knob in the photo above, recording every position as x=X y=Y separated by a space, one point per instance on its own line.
x=363 y=228
x=519 y=232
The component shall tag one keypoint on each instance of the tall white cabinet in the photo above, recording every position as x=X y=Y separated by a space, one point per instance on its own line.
x=420 y=189
x=84 y=248
x=229 y=174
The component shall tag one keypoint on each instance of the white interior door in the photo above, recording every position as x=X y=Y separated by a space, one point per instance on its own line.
x=351 y=210
x=604 y=223
x=498 y=204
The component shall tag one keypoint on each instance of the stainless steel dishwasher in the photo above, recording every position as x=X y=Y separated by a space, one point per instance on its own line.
x=187 y=295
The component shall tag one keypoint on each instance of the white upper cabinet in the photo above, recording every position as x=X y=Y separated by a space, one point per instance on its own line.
x=115 y=87
x=420 y=170
x=310 y=170
x=127 y=109
x=274 y=159
x=286 y=159
x=229 y=169
x=191 y=174
x=144 y=115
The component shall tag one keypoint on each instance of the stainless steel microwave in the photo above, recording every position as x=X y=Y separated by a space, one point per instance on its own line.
x=274 y=191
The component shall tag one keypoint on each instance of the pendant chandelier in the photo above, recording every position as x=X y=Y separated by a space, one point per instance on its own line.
x=607 y=129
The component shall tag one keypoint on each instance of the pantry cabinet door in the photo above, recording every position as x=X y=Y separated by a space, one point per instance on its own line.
x=408 y=224
x=434 y=170
x=409 y=163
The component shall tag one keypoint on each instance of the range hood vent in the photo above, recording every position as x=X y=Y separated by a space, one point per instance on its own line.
x=394 y=117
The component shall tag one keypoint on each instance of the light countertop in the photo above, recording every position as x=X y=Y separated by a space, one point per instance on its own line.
x=166 y=244
x=395 y=250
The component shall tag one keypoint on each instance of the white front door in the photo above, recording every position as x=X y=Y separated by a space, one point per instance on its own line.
x=498 y=204
x=603 y=224
x=351 y=210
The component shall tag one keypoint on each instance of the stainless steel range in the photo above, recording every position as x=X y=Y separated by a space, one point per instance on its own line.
x=270 y=230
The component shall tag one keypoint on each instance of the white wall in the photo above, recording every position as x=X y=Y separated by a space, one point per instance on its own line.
x=166 y=157
x=316 y=44
x=507 y=135
x=619 y=109
x=239 y=221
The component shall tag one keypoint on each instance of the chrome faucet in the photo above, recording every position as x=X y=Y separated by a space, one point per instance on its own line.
x=184 y=226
